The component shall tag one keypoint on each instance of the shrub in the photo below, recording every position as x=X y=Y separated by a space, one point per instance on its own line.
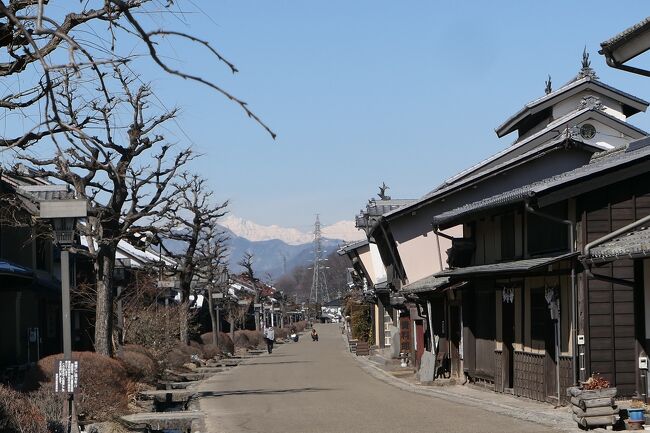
x=225 y=343
x=281 y=333
x=51 y=405
x=300 y=326
x=360 y=319
x=103 y=384
x=138 y=364
x=18 y=414
x=241 y=340
x=211 y=351
x=154 y=326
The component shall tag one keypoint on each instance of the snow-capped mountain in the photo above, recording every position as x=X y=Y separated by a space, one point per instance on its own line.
x=342 y=230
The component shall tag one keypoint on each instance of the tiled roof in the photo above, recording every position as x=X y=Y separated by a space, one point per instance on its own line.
x=476 y=171
x=508 y=125
x=635 y=151
x=519 y=266
x=425 y=284
x=613 y=42
x=47 y=192
x=635 y=244
x=352 y=246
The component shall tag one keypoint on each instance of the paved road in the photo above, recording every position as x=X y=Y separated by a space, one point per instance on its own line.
x=317 y=387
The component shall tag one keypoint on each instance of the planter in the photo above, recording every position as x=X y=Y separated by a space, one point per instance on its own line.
x=636 y=415
x=593 y=408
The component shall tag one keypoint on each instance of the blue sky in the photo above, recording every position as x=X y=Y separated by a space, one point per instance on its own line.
x=362 y=91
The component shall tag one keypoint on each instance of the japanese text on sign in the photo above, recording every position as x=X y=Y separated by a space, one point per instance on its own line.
x=66 y=378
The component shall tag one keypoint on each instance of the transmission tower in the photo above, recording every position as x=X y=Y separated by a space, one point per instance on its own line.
x=319 y=290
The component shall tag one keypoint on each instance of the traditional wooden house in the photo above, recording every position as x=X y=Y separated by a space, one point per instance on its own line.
x=527 y=298
x=555 y=133
x=370 y=277
x=30 y=299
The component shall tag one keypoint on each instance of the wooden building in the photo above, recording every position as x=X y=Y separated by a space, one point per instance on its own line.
x=525 y=310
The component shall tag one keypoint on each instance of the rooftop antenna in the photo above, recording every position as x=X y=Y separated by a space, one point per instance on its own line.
x=319 y=290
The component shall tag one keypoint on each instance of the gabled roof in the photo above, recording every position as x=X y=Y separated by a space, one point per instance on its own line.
x=631 y=245
x=631 y=104
x=480 y=171
x=635 y=152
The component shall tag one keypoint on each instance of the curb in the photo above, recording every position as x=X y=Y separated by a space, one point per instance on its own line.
x=548 y=420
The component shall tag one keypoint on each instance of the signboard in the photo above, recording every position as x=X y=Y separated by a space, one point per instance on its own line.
x=217 y=296
x=243 y=302
x=66 y=378
x=257 y=305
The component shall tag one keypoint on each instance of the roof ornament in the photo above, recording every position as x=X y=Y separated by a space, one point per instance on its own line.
x=548 y=86
x=382 y=191
x=586 y=70
x=591 y=102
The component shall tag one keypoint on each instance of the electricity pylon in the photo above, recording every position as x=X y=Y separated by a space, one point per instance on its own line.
x=319 y=290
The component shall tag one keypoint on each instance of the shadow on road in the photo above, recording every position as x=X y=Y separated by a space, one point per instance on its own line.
x=276 y=363
x=260 y=392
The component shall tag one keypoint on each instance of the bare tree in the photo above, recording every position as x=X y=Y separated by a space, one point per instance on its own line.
x=246 y=262
x=187 y=234
x=123 y=172
x=46 y=39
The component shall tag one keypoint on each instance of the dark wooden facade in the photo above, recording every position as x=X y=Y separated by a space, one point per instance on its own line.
x=614 y=318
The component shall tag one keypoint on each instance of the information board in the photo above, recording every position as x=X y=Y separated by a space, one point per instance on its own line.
x=66 y=378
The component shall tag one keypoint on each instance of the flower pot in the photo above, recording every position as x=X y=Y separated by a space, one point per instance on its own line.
x=636 y=414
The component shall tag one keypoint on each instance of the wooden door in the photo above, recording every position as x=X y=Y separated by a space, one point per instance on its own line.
x=550 y=365
x=405 y=334
x=419 y=341
x=455 y=334
x=508 y=354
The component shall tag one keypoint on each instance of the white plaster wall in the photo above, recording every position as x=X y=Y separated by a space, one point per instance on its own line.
x=378 y=265
x=417 y=248
x=606 y=136
x=366 y=259
x=612 y=107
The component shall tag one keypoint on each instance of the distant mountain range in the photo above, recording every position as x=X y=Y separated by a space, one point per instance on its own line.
x=342 y=230
x=277 y=250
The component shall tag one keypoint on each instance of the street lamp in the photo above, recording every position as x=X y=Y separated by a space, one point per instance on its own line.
x=63 y=215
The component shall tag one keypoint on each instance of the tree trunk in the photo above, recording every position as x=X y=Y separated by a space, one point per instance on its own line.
x=257 y=311
x=104 y=265
x=213 y=319
x=184 y=318
x=232 y=328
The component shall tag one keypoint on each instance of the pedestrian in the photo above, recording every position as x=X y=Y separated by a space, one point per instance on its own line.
x=269 y=335
x=314 y=335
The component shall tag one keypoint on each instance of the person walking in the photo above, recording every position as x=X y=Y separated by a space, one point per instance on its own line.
x=269 y=334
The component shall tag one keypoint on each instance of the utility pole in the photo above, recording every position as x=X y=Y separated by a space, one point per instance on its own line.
x=319 y=290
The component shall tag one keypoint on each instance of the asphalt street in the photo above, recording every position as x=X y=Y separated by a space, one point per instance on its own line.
x=319 y=387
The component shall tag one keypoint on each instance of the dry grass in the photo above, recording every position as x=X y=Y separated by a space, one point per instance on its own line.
x=18 y=414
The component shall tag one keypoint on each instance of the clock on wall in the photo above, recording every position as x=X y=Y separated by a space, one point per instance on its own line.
x=587 y=131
